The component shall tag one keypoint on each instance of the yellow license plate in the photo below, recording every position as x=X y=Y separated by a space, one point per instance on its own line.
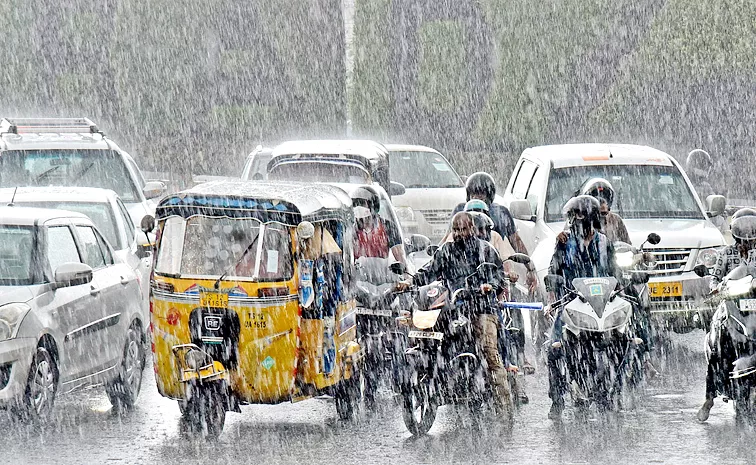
x=214 y=300
x=673 y=289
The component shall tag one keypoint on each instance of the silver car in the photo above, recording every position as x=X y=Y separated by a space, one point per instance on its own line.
x=70 y=313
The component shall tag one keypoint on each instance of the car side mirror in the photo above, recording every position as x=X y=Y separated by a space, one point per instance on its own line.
x=700 y=270
x=72 y=274
x=715 y=205
x=416 y=243
x=396 y=188
x=154 y=189
x=431 y=250
x=520 y=209
x=147 y=224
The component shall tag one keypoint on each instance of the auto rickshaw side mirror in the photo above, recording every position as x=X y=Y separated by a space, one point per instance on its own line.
x=416 y=243
x=700 y=270
x=431 y=250
x=396 y=188
x=147 y=224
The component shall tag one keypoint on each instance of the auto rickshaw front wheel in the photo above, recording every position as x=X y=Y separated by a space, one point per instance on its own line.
x=204 y=410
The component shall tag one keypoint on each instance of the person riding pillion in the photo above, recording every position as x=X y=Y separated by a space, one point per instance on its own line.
x=742 y=252
x=452 y=263
x=586 y=253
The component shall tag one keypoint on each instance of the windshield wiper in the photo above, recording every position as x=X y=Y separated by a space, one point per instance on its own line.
x=45 y=173
x=83 y=172
x=241 y=257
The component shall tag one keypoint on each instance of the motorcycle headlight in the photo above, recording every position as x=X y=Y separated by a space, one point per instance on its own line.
x=616 y=318
x=582 y=321
x=624 y=259
x=11 y=316
x=405 y=214
x=707 y=257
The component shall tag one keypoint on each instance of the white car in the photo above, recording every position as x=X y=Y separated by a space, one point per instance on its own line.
x=432 y=189
x=72 y=152
x=70 y=312
x=131 y=245
x=653 y=194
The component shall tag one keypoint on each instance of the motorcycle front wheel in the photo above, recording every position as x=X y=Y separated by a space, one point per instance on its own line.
x=419 y=412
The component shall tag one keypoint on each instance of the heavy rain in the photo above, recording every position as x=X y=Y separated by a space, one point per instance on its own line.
x=377 y=231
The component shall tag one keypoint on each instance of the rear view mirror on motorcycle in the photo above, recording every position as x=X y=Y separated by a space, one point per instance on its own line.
x=416 y=243
x=701 y=270
x=519 y=258
x=639 y=278
x=398 y=268
x=553 y=282
x=653 y=239
x=431 y=250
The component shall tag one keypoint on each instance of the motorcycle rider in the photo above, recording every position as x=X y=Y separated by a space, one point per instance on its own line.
x=698 y=166
x=587 y=253
x=743 y=251
x=374 y=236
x=452 y=263
x=611 y=224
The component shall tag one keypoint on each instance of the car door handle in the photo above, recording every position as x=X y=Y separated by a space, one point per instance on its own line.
x=94 y=291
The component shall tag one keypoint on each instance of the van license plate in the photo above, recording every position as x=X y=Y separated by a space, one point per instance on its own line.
x=426 y=335
x=748 y=305
x=673 y=289
x=214 y=300
x=373 y=311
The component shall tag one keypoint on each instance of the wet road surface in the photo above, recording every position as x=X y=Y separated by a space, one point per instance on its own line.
x=660 y=429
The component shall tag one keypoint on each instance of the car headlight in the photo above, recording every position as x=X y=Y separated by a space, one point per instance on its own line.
x=707 y=257
x=405 y=213
x=11 y=316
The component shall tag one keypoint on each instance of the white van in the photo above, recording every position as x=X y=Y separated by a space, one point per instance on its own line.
x=653 y=194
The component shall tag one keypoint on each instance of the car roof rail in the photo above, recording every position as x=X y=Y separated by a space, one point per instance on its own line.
x=46 y=125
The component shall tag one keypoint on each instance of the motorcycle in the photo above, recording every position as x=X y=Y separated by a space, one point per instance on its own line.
x=600 y=346
x=444 y=364
x=731 y=341
x=377 y=307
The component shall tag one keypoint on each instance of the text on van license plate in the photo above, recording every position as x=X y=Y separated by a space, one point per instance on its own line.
x=673 y=289
x=748 y=305
x=426 y=335
x=373 y=311
x=213 y=300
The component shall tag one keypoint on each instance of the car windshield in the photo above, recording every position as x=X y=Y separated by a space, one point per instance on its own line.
x=85 y=168
x=257 y=168
x=642 y=191
x=99 y=212
x=307 y=171
x=422 y=169
x=241 y=248
x=16 y=247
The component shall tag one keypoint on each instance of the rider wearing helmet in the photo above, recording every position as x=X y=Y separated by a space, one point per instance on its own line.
x=374 y=235
x=479 y=210
x=743 y=251
x=610 y=224
x=587 y=253
x=481 y=186
x=698 y=166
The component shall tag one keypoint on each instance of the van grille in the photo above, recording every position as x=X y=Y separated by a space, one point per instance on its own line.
x=670 y=261
x=437 y=217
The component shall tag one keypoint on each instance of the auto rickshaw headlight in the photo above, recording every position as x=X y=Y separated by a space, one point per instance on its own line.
x=305 y=230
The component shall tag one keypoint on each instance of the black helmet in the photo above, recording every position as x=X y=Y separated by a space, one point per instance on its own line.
x=584 y=205
x=743 y=212
x=744 y=228
x=482 y=221
x=481 y=184
x=698 y=163
x=366 y=197
x=601 y=189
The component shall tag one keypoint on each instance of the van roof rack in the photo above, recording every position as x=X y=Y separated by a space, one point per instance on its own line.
x=42 y=125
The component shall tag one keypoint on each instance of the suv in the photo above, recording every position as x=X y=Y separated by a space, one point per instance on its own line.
x=131 y=244
x=653 y=194
x=72 y=152
x=432 y=189
x=70 y=313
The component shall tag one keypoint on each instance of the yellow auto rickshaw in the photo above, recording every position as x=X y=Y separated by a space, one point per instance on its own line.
x=250 y=301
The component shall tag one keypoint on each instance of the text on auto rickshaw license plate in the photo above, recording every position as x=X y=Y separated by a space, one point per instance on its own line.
x=213 y=300
x=671 y=289
x=426 y=335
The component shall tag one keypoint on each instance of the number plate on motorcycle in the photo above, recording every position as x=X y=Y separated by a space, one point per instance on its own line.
x=213 y=300
x=673 y=289
x=426 y=335
x=748 y=305
x=373 y=311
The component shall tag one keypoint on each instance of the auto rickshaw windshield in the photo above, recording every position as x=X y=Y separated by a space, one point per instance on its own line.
x=243 y=248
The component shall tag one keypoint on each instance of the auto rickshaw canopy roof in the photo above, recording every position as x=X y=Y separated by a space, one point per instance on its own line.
x=288 y=203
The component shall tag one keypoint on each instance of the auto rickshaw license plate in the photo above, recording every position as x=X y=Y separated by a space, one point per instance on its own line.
x=213 y=300
x=671 y=289
x=426 y=335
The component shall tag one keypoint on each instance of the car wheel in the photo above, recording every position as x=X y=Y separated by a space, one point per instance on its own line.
x=124 y=389
x=41 y=387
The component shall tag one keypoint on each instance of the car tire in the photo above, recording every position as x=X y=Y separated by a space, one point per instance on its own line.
x=124 y=389
x=41 y=388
